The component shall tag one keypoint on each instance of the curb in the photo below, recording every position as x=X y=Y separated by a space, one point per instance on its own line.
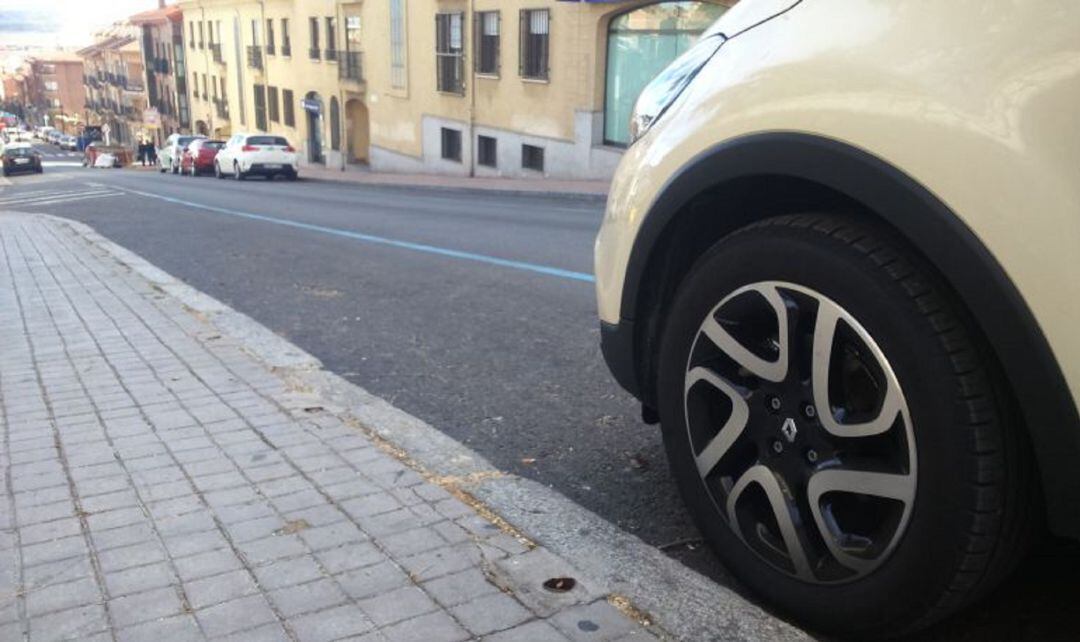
x=581 y=197
x=678 y=600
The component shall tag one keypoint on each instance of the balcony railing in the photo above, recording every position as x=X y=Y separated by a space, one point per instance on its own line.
x=255 y=57
x=330 y=53
x=313 y=53
x=215 y=50
x=351 y=66
x=270 y=51
x=286 y=49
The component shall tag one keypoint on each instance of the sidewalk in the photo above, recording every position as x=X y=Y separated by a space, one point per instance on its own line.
x=586 y=190
x=161 y=482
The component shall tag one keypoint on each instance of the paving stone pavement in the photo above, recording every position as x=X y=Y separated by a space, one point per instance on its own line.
x=161 y=483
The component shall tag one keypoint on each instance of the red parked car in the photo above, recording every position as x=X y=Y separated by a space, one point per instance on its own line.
x=198 y=156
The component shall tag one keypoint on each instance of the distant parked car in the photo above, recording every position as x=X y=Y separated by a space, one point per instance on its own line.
x=169 y=155
x=70 y=143
x=257 y=154
x=20 y=157
x=53 y=136
x=199 y=156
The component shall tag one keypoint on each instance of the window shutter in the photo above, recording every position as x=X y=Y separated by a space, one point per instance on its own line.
x=523 y=36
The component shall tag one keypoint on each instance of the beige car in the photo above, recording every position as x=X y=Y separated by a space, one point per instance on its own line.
x=839 y=266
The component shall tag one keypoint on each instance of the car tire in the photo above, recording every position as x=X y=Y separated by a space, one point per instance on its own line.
x=237 y=174
x=217 y=171
x=963 y=504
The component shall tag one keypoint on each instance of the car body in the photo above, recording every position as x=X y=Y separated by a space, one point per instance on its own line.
x=944 y=132
x=257 y=155
x=69 y=143
x=169 y=155
x=198 y=157
x=20 y=157
x=54 y=136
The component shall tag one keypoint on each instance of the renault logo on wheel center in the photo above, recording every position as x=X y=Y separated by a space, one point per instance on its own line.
x=789 y=430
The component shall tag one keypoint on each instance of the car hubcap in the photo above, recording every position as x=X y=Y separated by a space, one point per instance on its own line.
x=801 y=432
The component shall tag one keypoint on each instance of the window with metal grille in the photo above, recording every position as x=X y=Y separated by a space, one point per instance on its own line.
x=272 y=104
x=533 y=43
x=287 y=107
x=532 y=157
x=486 y=151
x=191 y=34
x=451 y=144
x=449 y=58
x=398 y=75
x=487 y=42
x=260 y=107
x=271 y=47
x=202 y=41
x=286 y=42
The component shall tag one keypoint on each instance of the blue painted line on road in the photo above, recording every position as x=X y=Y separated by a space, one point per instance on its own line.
x=381 y=240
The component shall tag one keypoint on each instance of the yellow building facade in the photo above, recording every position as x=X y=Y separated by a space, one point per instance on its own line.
x=520 y=88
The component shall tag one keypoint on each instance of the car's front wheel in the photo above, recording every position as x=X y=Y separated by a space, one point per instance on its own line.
x=237 y=174
x=839 y=429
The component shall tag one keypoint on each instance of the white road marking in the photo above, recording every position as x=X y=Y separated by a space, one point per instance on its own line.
x=51 y=197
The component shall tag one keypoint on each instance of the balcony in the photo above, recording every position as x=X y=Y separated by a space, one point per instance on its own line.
x=215 y=51
x=351 y=66
x=314 y=53
x=270 y=51
x=254 y=57
x=330 y=54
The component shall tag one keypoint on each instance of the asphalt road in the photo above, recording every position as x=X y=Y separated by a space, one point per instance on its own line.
x=470 y=311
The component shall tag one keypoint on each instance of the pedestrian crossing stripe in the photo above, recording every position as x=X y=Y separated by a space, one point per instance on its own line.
x=52 y=197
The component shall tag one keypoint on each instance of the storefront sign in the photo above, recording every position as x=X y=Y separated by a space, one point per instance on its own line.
x=312 y=105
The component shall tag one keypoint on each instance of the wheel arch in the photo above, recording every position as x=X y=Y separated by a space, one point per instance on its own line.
x=764 y=175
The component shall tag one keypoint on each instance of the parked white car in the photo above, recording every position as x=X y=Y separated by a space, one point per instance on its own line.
x=169 y=154
x=257 y=154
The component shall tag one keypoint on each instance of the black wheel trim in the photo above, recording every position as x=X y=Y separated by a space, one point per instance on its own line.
x=861 y=463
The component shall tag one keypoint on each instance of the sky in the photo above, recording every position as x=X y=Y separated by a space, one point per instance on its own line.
x=61 y=23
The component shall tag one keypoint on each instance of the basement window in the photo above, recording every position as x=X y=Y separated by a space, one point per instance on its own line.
x=486 y=151
x=532 y=157
x=451 y=144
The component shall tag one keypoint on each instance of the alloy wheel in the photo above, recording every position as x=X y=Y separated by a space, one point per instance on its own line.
x=801 y=432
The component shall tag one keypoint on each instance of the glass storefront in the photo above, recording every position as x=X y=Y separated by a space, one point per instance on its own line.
x=641 y=43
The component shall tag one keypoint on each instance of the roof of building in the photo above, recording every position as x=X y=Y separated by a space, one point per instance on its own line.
x=157 y=16
x=55 y=56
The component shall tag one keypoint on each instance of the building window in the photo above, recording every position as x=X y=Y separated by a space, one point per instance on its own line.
x=205 y=94
x=213 y=87
x=51 y=85
x=640 y=44
x=260 y=107
x=255 y=33
x=191 y=34
x=331 y=39
x=533 y=43
x=451 y=144
x=335 y=127
x=487 y=43
x=286 y=43
x=272 y=104
x=287 y=107
x=448 y=53
x=486 y=151
x=398 y=75
x=270 y=44
x=313 y=25
x=202 y=41
x=532 y=157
